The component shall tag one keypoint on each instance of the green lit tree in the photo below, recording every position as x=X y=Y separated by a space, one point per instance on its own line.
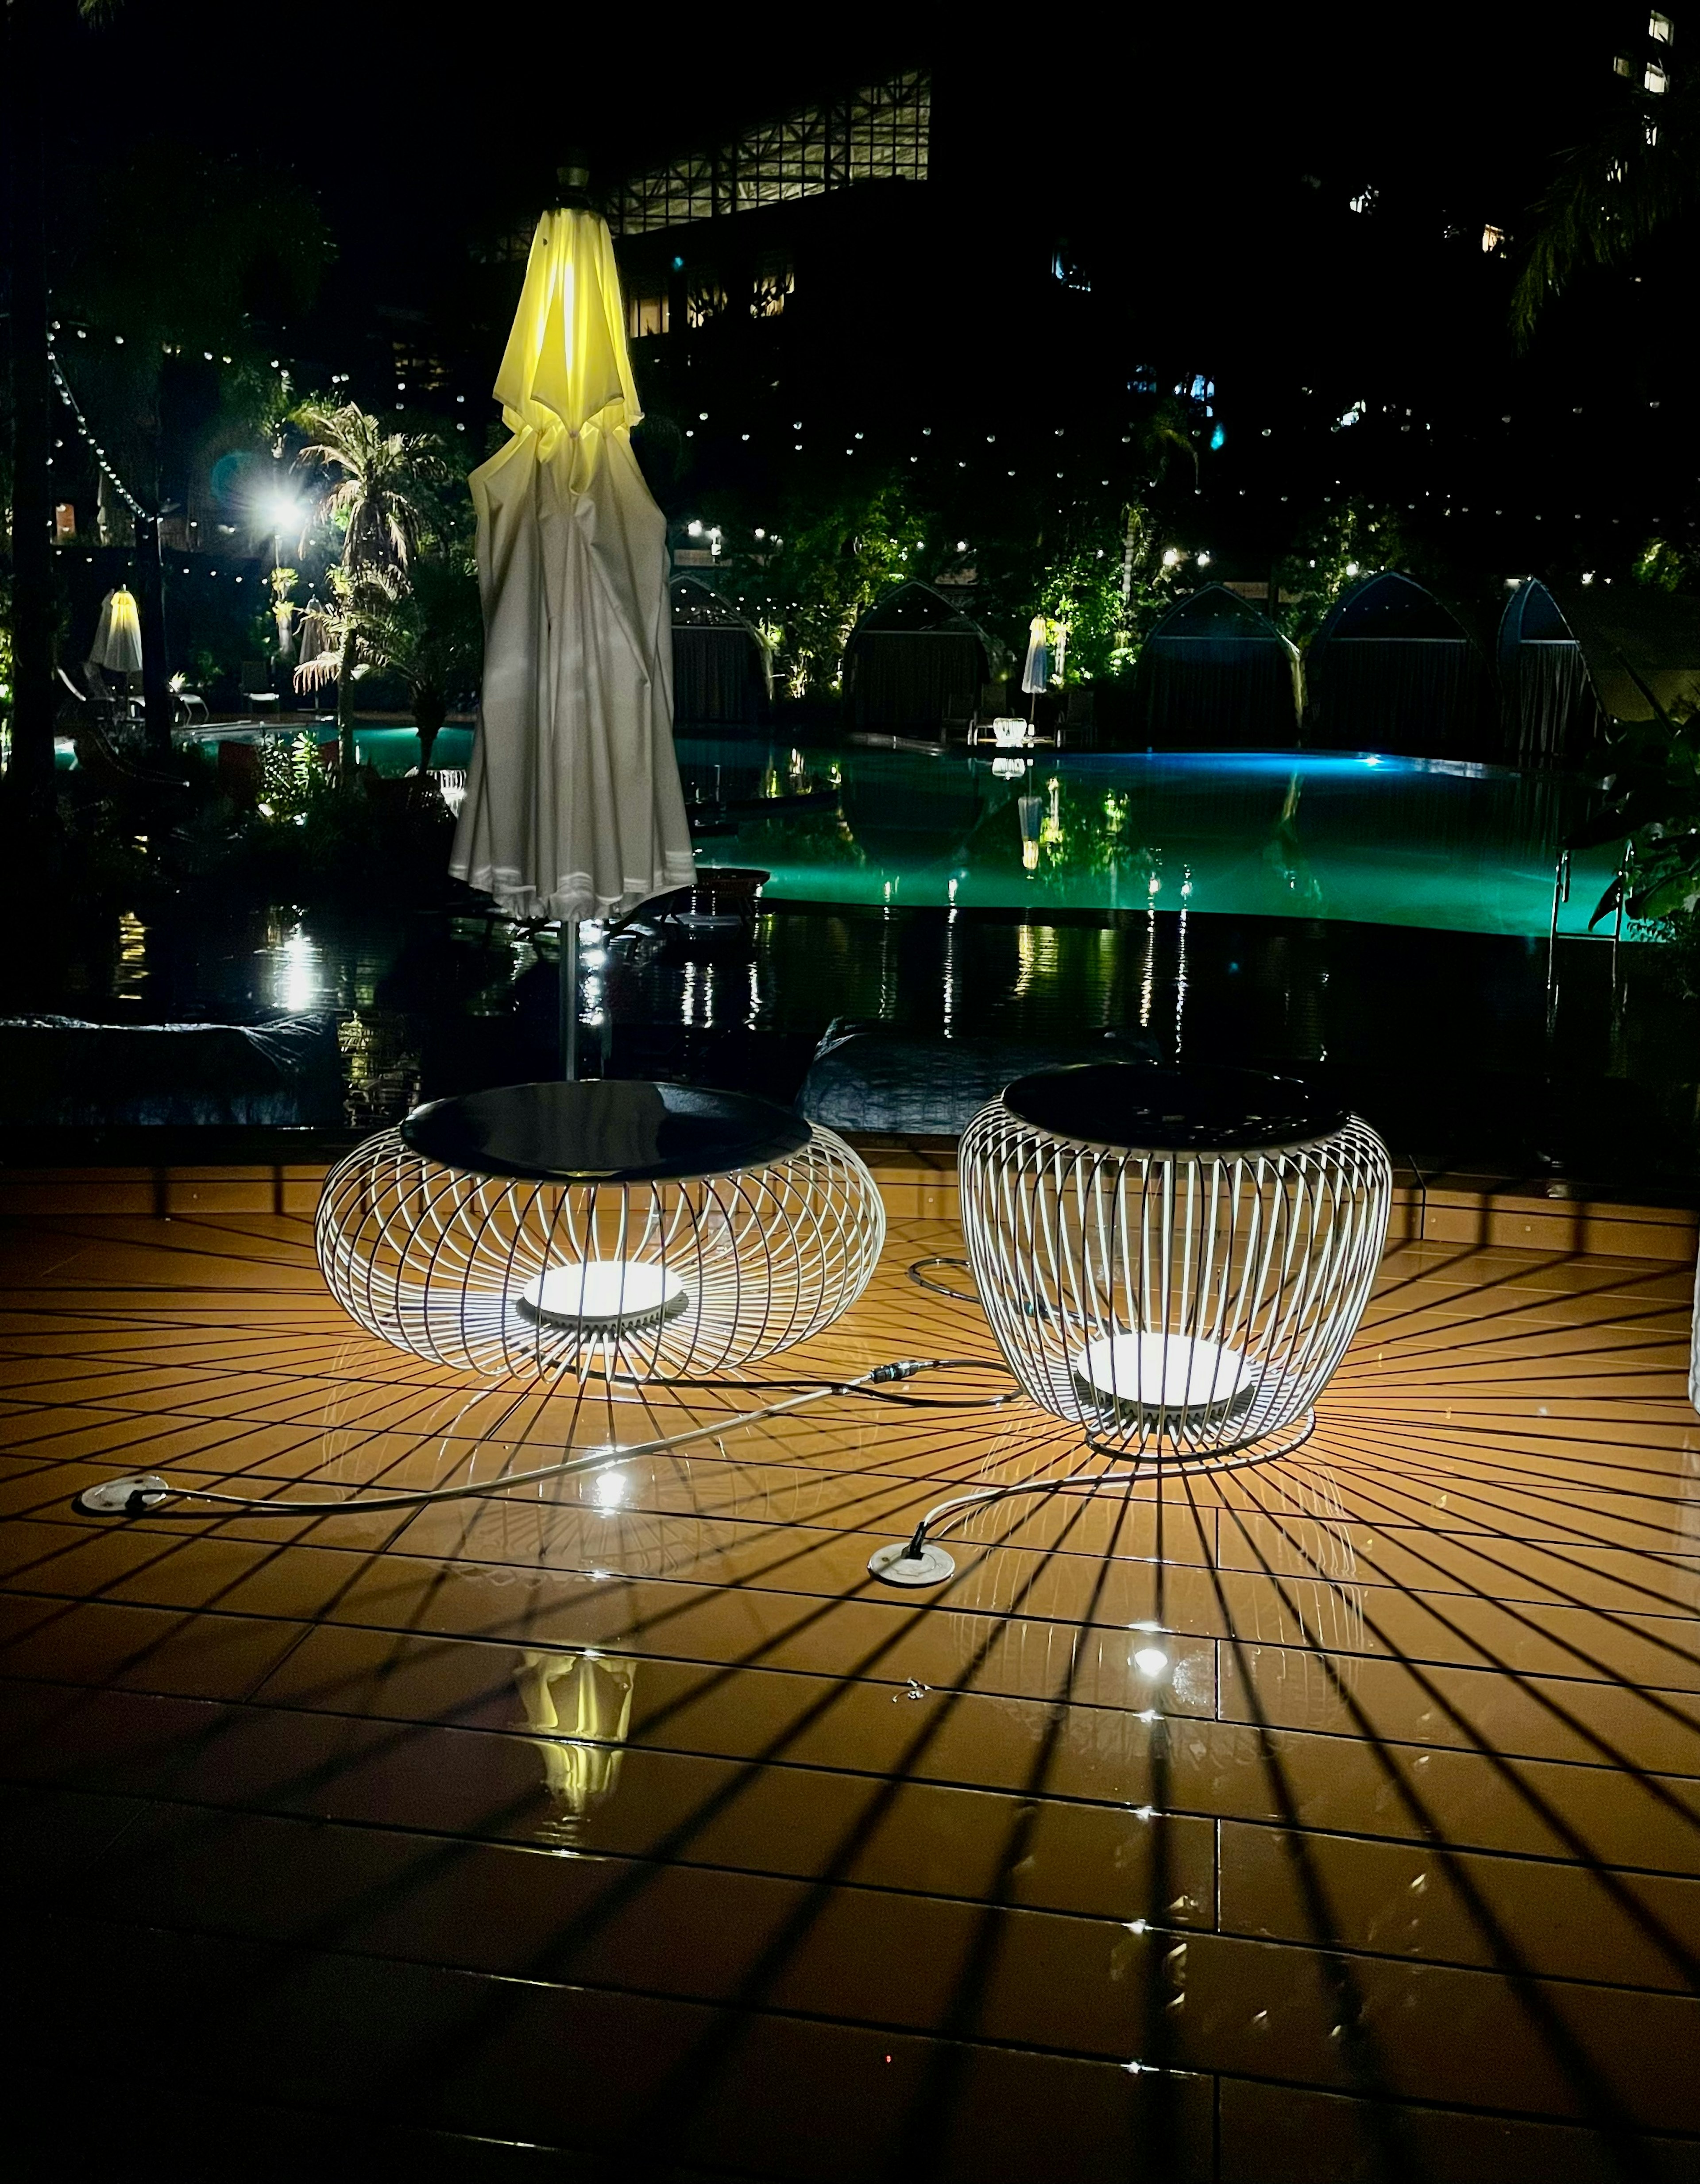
x=829 y=566
x=1344 y=542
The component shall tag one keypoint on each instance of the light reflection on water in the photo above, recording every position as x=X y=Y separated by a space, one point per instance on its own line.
x=1386 y=840
x=295 y=974
x=1339 y=880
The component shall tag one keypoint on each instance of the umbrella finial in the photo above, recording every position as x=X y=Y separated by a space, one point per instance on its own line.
x=573 y=181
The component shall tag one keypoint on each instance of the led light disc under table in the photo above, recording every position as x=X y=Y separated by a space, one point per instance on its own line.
x=642 y=1231
x=1158 y=1374
x=603 y=1295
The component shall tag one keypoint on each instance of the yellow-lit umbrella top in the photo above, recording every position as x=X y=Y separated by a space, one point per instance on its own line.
x=565 y=365
x=118 y=634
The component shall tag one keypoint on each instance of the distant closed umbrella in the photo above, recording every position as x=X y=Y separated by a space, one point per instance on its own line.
x=1035 y=674
x=573 y=804
x=117 y=643
x=315 y=634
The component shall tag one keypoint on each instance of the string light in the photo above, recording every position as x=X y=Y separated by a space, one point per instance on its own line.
x=82 y=424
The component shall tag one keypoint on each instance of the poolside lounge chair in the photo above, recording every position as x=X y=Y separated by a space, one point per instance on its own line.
x=258 y=692
x=87 y=705
x=126 y=712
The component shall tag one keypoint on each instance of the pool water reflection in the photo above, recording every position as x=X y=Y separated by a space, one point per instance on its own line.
x=1389 y=841
x=1383 y=840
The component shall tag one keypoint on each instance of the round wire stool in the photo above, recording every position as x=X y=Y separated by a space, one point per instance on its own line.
x=1172 y=1260
x=651 y=1231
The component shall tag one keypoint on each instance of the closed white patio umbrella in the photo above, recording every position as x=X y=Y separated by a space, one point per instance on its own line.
x=573 y=805
x=117 y=642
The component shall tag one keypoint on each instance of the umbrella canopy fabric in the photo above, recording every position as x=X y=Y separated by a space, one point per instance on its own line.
x=573 y=804
x=118 y=634
x=315 y=634
x=1035 y=674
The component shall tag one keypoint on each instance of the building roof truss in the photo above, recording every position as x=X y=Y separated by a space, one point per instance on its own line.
x=877 y=134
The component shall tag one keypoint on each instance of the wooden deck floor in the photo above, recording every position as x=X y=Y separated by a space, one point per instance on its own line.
x=627 y=1829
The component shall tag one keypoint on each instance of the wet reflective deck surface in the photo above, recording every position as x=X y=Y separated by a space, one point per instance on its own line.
x=630 y=1830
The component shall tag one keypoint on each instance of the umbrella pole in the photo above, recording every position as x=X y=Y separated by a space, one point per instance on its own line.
x=569 y=999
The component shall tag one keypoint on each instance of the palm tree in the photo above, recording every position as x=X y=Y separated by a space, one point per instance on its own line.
x=379 y=496
x=1163 y=432
x=1613 y=194
x=425 y=626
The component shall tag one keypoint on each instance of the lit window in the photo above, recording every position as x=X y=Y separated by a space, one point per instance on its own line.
x=774 y=282
x=1660 y=28
x=1492 y=238
x=705 y=299
x=647 y=312
x=1655 y=80
x=1624 y=65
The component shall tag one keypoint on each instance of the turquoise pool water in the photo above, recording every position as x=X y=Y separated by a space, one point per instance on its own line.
x=1392 y=841
x=1384 y=840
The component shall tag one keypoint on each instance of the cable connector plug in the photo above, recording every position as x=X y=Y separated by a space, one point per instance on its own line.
x=903 y=1369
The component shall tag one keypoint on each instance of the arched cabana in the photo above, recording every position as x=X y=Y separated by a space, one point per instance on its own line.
x=1546 y=698
x=1641 y=646
x=914 y=661
x=1392 y=669
x=1216 y=674
x=721 y=674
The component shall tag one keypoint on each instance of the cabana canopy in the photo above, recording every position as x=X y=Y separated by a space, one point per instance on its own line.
x=1216 y=674
x=1392 y=669
x=914 y=661
x=1623 y=627
x=1552 y=715
x=722 y=672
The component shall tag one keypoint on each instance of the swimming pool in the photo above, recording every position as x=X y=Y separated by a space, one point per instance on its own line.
x=1391 y=841
x=1363 y=838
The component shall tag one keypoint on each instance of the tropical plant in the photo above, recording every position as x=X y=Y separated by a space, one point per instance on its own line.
x=828 y=566
x=283 y=583
x=1665 y=565
x=1081 y=591
x=1166 y=430
x=1639 y=172
x=1351 y=540
x=379 y=500
x=423 y=624
x=1651 y=804
x=1152 y=576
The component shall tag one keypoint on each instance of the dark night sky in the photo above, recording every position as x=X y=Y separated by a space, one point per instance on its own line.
x=412 y=124
x=1171 y=150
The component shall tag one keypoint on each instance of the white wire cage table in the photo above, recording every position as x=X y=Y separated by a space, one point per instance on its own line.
x=645 y=1231
x=1171 y=1260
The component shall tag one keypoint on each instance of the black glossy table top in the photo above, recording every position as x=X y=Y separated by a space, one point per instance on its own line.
x=1135 y=1107
x=611 y=1130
